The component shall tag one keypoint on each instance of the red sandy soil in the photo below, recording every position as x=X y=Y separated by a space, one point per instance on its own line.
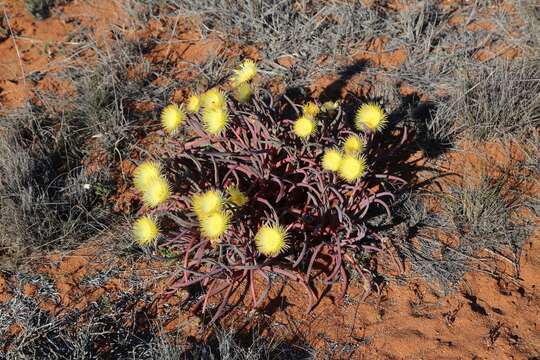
x=487 y=319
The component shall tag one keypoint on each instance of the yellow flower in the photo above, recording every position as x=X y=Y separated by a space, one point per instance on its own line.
x=354 y=145
x=145 y=230
x=246 y=72
x=271 y=240
x=193 y=104
x=215 y=120
x=145 y=173
x=330 y=106
x=352 y=168
x=207 y=203
x=331 y=160
x=311 y=109
x=243 y=92
x=214 y=99
x=215 y=225
x=171 y=118
x=371 y=117
x=157 y=192
x=304 y=127
x=236 y=196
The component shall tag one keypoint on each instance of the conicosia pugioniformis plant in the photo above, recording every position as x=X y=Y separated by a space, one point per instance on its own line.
x=248 y=185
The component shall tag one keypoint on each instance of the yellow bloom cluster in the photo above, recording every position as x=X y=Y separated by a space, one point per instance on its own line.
x=331 y=160
x=243 y=92
x=349 y=167
x=349 y=163
x=155 y=189
x=311 y=110
x=213 y=103
x=236 y=197
x=271 y=240
x=172 y=117
x=306 y=125
x=214 y=99
x=145 y=230
x=148 y=180
x=207 y=203
x=214 y=219
x=214 y=208
x=352 y=168
x=215 y=116
x=354 y=145
x=370 y=117
x=246 y=72
x=241 y=81
x=330 y=107
x=193 y=104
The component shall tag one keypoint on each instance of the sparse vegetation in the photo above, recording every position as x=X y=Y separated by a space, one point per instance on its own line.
x=39 y=8
x=499 y=101
x=428 y=256
x=479 y=223
x=446 y=74
x=42 y=199
x=52 y=192
x=107 y=328
x=225 y=345
x=312 y=35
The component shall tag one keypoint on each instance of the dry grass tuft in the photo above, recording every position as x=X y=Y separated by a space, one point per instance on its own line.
x=499 y=101
x=51 y=194
x=480 y=223
x=123 y=327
